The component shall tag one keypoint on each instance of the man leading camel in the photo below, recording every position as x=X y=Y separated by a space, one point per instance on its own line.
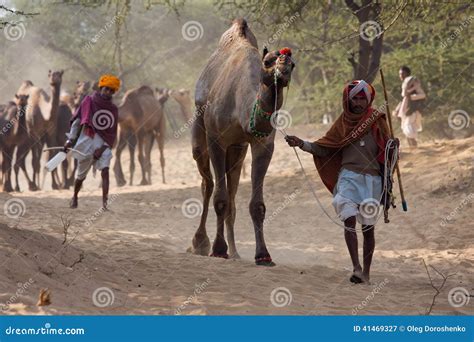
x=349 y=159
x=93 y=133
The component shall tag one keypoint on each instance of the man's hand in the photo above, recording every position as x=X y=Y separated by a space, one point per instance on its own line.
x=67 y=145
x=99 y=151
x=294 y=141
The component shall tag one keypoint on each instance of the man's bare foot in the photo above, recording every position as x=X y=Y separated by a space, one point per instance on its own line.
x=74 y=203
x=366 y=278
x=357 y=276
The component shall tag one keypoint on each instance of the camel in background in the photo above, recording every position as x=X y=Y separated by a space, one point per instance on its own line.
x=15 y=135
x=235 y=96
x=140 y=118
x=41 y=119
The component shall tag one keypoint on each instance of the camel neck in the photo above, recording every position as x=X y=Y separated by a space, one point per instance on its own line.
x=185 y=110
x=21 y=120
x=267 y=102
x=55 y=89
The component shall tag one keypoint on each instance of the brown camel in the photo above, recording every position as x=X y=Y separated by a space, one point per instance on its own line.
x=41 y=119
x=185 y=103
x=234 y=97
x=140 y=117
x=15 y=135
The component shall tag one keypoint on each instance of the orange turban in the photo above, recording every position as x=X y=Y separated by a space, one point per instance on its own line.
x=109 y=81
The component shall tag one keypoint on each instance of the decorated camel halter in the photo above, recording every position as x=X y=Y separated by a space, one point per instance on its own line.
x=258 y=111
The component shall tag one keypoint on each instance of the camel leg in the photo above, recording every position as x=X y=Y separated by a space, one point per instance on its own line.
x=148 y=145
x=21 y=153
x=261 y=157
x=160 y=139
x=7 y=156
x=201 y=244
x=234 y=159
x=221 y=200
x=132 y=144
x=36 y=151
x=141 y=156
x=119 y=177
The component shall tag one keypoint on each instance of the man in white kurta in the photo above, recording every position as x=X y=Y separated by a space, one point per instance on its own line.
x=410 y=118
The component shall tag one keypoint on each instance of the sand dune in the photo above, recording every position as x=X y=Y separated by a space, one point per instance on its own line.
x=137 y=249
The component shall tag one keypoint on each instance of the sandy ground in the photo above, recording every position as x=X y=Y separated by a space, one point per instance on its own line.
x=137 y=250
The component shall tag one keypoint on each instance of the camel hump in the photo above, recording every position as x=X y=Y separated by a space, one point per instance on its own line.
x=237 y=32
x=145 y=90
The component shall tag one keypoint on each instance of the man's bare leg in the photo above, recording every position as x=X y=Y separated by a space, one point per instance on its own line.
x=369 y=247
x=352 y=245
x=77 y=188
x=105 y=187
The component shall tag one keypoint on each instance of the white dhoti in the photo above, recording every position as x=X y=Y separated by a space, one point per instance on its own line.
x=87 y=145
x=358 y=195
x=410 y=124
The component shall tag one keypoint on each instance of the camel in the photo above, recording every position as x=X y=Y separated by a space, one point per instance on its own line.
x=15 y=135
x=185 y=103
x=234 y=98
x=140 y=118
x=41 y=119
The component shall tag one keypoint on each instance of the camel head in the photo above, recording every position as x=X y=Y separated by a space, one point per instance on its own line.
x=55 y=77
x=182 y=96
x=21 y=100
x=82 y=89
x=277 y=64
x=162 y=95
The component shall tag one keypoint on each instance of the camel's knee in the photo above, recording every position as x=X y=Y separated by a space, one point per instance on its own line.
x=220 y=206
x=257 y=210
x=207 y=187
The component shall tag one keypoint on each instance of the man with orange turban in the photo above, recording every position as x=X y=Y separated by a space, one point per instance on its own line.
x=93 y=134
x=349 y=159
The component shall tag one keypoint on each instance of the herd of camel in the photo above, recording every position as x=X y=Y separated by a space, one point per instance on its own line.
x=35 y=119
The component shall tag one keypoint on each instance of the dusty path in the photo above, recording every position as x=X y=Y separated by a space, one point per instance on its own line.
x=137 y=249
